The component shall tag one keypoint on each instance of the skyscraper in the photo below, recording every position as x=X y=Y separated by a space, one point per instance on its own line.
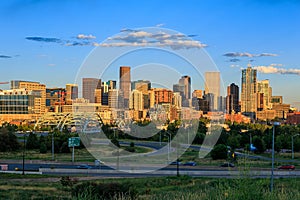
x=72 y=93
x=114 y=99
x=249 y=92
x=184 y=89
x=186 y=82
x=197 y=94
x=212 y=85
x=141 y=85
x=232 y=99
x=105 y=87
x=136 y=100
x=265 y=91
x=89 y=85
x=125 y=84
x=55 y=99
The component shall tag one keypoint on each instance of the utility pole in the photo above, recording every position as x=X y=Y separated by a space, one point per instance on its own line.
x=52 y=146
x=273 y=156
x=23 y=170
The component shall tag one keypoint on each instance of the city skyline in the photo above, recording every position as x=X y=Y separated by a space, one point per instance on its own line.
x=49 y=47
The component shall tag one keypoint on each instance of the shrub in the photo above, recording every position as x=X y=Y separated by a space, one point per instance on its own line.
x=65 y=148
x=43 y=148
x=219 y=152
x=32 y=141
x=104 y=190
x=66 y=181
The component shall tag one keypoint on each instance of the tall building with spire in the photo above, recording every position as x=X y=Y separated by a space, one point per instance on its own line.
x=125 y=84
x=249 y=92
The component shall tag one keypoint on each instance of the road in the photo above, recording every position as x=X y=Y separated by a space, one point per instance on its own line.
x=105 y=171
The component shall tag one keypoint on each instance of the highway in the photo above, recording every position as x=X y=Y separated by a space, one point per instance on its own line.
x=69 y=169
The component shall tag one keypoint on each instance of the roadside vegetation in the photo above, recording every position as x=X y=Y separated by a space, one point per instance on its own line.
x=183 y=187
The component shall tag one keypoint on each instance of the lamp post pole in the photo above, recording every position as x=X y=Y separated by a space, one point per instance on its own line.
x=23 y=170
x=159 y=138
x=293 y=145
x=52 y=149
x=273 y=145
x=169 y=145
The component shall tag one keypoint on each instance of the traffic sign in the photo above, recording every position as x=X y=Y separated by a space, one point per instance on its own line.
x=74 y=142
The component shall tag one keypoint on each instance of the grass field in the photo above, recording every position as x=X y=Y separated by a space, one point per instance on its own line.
x=81 y=155
x=49 y=187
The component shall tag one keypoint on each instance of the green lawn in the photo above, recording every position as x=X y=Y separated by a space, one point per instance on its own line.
x=81 y=155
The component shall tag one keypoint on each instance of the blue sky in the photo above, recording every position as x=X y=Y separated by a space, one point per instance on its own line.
x=266 y=31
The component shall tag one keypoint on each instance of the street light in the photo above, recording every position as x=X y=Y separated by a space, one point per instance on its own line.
x=159 y=138
x=293 y=144
x=169 y=145
x=23 y=170
x=273 y=144
x=52 y=143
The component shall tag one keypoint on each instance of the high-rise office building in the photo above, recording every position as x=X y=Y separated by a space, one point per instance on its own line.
x=221 y=104
x=184 y=89
x=177 y=100
x=98 y=96
x=197 y=94
x=89 y=85
x=265 y=91
x=36 y=86
x=179 y=89
x=212 y=85
x=106 y=86
x=136 y=100
x=55 y=99
x=125 y=84
x=141 y=85
x=115 y=99
x=186 y=82
x=72 y=93
x=162 y=95
x=249 y=92
x=232 y=99
x=20 y=101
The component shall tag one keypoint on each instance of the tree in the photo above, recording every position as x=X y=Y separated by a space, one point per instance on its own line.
x=43 y=148
x=259 y=144
x=199 y=138
x=233 y=141
x=132 y=144
x=64 y=148
x=8 y=141
x=219 y=151
x=115 y=142
x=32 y=142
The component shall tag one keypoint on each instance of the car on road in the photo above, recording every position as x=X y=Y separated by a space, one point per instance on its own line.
x=190 y=163
x=227 y=165
x=176 y=162
x=84 y=166
x=287 y=167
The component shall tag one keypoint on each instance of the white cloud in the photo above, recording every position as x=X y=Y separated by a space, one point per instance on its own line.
x=144 y=38
x=159 y=25
x=273 y=69
x=246 y=54
x=88 y=37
